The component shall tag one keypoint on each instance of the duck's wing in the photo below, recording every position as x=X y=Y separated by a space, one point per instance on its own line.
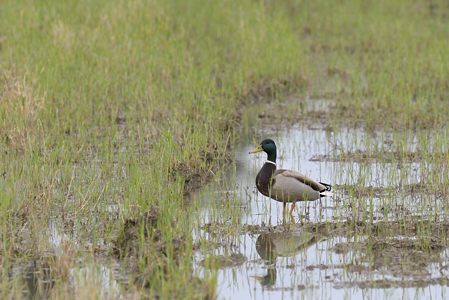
x=281 y=175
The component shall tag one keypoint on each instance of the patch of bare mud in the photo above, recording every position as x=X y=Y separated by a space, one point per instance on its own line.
x=413 y=226
x=354 y=268
x=405 y=252
x=310 y=112
x=229 y=229
x=271 y=287
x=39 y=277
x=407 y=227
x=224 y=261
x=391 y=283
x=194 y=177
x=140 y=237
x=127 y=242
x=398 y=257
x=386 y=156
x=406 y=189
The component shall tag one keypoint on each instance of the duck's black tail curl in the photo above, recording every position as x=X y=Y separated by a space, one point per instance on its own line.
x=328 y=187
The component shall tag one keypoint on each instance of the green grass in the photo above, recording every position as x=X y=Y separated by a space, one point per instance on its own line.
x=108 y=107
x=116 y=103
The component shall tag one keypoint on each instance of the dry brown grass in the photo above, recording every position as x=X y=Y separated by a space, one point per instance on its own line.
x=20 y=105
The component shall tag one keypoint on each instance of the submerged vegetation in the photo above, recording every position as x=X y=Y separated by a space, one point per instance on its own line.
x=111 y=112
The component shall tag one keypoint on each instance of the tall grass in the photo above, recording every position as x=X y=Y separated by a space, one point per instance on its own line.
x=116 y=103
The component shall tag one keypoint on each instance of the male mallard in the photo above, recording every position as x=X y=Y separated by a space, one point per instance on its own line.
x=285 y=185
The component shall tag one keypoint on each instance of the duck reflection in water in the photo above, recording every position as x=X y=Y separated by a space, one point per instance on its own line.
x=272 y=245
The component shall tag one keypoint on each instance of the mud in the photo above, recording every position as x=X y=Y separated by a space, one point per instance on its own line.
x=215 y=158
x=224 y=261
x=405 y=190
x=38 y=277
x=386 y=156
x=408 y=257
x=404 y=252
x=389 y=284
x=127 y=241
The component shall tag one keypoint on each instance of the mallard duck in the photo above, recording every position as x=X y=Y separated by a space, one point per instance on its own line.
x=285 y=185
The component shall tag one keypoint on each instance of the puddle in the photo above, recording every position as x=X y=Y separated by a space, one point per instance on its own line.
x=339 y=247
x=381 y=234
x=89 y=276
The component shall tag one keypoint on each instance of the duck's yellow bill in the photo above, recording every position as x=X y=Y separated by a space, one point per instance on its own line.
x=256 y=150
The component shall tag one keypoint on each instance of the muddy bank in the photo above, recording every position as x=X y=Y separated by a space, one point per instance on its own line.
x=386 y=156
x=214 y=157
x=406 y=252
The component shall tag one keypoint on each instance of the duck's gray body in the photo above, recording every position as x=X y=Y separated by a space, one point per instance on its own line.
x=288 y=186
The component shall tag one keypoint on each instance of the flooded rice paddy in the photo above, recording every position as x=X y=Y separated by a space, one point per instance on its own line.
x=382 y=234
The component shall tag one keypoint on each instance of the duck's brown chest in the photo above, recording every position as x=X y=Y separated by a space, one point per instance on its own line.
x=264 y=178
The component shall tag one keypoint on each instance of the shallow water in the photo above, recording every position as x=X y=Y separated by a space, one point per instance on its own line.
x=89 y=272
x=263 y=259
x=288 y=262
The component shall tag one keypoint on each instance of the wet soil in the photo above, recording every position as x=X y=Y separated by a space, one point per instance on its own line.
x=216 y=159
x=241 y=233
x=386 y=156
x=377 y=234
x=404 y=190
x=398 y=250
x=224 y=261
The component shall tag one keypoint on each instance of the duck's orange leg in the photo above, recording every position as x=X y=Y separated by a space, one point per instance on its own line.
x=292 y=208
x=284 y=205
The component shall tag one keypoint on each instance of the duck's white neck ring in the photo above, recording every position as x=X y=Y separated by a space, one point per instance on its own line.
x=269 y=161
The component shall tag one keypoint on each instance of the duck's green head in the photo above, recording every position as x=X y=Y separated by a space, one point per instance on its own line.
x=269 y=147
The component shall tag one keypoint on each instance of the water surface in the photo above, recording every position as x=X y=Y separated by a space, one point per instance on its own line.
x=285 y=262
